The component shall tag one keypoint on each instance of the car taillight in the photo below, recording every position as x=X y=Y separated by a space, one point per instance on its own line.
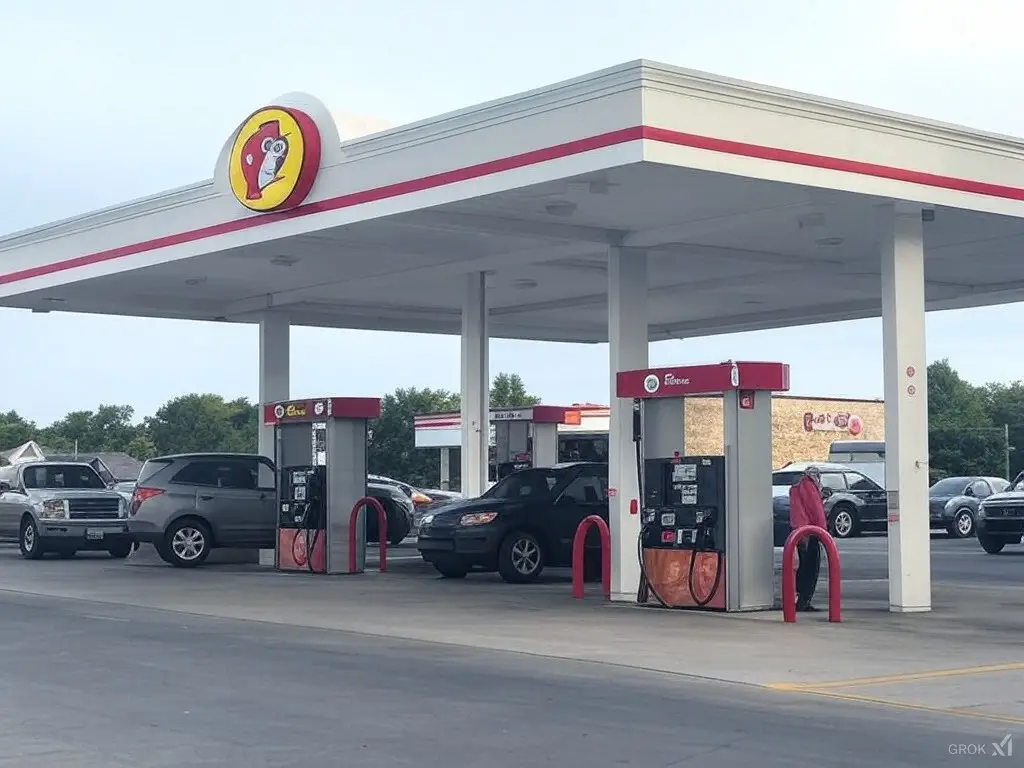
x=420 y=498
x=139 y=495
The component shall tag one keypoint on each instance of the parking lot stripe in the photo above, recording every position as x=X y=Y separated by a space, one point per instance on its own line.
x=933 y=674
x=880 y=702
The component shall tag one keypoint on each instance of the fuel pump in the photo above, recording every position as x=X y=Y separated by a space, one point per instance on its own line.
x=705 y=534
x=320 y=456
x=681 y=547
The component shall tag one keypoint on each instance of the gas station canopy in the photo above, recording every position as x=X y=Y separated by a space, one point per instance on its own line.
x=757 y=204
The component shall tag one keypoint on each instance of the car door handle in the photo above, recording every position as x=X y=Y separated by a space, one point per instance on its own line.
x=206 y=498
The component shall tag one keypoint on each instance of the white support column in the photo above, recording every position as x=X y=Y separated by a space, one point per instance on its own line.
x=275 y=377
x=446 y=469
x=906 y=408
x=627 y=350
x=476 y=389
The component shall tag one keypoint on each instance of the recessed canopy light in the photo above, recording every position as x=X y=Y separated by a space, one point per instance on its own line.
x=284 y=261
x=525 y=283
x=560 y=209
x=195 y=281
x=830 y=241
x=54 y=300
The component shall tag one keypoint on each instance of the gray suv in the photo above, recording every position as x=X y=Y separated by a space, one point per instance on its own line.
x=61 y=507
x=186 y=505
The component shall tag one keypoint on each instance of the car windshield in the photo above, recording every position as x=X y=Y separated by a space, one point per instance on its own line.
x=527 y=483
x=59 y=476
x=1018 y=483
x=951 y=486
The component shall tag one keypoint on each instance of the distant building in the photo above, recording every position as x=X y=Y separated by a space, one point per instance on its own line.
x=112 y=466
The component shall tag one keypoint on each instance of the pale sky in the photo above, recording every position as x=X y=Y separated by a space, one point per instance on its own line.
x=86 y=114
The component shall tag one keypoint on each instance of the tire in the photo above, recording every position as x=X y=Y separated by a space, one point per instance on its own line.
x=394 y=539
x=187 y=543
x=844 y=523
x=520 y=558
x=962 y=526
x=451 y=570
x=121 y=551
x=29 y=543
x=992 y=546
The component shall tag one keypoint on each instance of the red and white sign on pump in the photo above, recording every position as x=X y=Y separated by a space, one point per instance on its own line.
x=833 y=422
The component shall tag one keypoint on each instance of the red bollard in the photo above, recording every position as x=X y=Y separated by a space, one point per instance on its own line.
x=789 y=572
x=578 y=547
x=382 y=532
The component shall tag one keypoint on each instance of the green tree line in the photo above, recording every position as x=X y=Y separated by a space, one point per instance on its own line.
x=207 y=422
x=968 y=425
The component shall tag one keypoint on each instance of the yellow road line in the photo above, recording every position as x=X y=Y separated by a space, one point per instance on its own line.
x=907 y=677
x=951 y=711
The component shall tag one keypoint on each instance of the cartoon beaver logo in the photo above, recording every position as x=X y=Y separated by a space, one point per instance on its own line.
x=274 y=159
x=262 y=157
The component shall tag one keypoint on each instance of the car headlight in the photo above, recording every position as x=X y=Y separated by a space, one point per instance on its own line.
x=122 y=509
x=54 y=509
x=477 y=518
x=426 y=520
x=981 y=511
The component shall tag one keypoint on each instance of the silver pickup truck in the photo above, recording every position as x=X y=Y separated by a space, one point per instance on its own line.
x=61 y=507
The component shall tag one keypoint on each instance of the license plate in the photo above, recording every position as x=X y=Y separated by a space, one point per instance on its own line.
x=94 y=534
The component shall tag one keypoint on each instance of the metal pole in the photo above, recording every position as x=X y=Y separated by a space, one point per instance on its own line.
x=1006 y=449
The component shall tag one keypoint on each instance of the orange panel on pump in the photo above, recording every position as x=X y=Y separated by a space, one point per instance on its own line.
x=668 y=572
x=293 y=545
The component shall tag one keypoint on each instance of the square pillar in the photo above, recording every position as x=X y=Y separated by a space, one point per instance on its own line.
x=627 y=350
x=446 y=472
x=906 y=407
x=275 y=376
x=476 y=389
x=545 y=445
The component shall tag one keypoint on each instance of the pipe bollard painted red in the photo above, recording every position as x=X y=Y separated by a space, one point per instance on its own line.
x=789 y=572
x=382 y=532
x=578 y=548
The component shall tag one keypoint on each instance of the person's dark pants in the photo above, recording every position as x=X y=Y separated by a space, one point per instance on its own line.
x=807 y=571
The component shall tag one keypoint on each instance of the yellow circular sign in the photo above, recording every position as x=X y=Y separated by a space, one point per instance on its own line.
x=274 y=159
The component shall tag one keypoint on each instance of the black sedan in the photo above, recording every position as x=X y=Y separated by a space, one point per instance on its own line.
x=524 y=523
x=953 y=502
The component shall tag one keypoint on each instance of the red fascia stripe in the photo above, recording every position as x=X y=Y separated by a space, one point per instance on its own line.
x=525 y=159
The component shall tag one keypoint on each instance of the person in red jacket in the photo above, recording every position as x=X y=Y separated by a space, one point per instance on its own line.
x=806 y=508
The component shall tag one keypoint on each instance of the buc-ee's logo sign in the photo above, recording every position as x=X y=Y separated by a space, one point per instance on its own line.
x=290 y=411
x=274 y=159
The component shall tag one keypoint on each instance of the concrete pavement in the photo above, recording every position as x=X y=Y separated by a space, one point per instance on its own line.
x=92 y=685
x=970 y=642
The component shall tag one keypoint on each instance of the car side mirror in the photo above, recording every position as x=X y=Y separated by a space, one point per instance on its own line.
x=4 y=486
x=969 y=492
x=826 y=492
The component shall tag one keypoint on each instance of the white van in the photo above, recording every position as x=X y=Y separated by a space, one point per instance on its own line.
x=866 y=456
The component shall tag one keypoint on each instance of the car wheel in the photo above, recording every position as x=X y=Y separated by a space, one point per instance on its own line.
x=121 y=551
x=451 y=569
x=520 y=558
x=187 y=543
x=962 y=526
x=28 y=540
x=844 y=522
x=398 y=532
x=992 y=546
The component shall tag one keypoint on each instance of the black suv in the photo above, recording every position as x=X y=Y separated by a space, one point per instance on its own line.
x=524 y=523
x=854 y=503
x=188 y=504
x=1000 y=518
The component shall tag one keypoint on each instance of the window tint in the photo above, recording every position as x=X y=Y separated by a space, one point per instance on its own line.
x=532 y=483
x=56 y=476
x=980 y=489
x=1000 y=485
x=150 y=468
x=267 y=476
x=860 y=483
x=585 y=489
x=951 y=486
x=833 y=481
x=786 y=478
x=9 y=475
x=239 y=474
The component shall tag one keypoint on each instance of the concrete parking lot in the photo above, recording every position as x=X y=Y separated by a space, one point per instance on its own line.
x=458 y=663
